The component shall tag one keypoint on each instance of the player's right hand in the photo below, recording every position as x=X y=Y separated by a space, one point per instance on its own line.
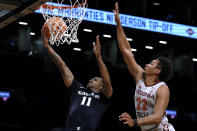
x=116 y=13
x=97 y=47
x=44 y=38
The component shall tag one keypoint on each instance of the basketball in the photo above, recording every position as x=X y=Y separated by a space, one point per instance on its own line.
x=56 y=25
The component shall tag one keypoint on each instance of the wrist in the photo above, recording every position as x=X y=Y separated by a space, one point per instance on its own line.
x=135 y=122
x=118 y=23
x=98 y=57
x=46 y=45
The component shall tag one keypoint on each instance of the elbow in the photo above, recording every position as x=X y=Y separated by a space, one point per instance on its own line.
x=68 y=82
x=125 y=51
x=108 y=93
x=158 y=119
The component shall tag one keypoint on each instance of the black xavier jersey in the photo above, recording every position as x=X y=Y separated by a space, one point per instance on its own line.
x=86 y=108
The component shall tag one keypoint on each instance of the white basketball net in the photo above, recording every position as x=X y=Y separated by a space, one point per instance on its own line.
x=72 y=15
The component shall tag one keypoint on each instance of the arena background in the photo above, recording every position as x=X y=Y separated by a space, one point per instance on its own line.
x=38 y=98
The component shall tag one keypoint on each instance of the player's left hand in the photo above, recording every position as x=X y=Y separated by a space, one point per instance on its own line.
x=97 y=47
x=127 y=119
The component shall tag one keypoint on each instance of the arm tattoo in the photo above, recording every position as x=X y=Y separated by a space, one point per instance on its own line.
x=66 y=73
x=54 y=57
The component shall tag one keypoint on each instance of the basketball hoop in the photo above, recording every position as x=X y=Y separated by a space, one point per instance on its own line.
x=72 y=15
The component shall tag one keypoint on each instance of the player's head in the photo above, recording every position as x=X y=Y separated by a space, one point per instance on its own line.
x=95 y=84
x=162 y=67
x=166 y=69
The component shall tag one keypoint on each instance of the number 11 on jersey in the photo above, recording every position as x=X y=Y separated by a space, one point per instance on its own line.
x=86 y=101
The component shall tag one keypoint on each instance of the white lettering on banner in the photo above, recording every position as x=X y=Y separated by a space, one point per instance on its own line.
x=4 y=94
x=129 y=21
x=133 y=22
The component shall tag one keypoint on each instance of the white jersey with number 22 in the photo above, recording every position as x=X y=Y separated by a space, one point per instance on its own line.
x=145 y=100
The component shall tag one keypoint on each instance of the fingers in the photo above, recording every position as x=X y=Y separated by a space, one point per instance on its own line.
x=44 y=37
x=124 y=115
x=94 y=45
x=124 y=119
x=43 y=30
x=114 y=12
x=85 y=1
x=127 y=119
x=116 y=6
x=98 y=42
x=126 y=122
x=43 y=34
x=97 y=39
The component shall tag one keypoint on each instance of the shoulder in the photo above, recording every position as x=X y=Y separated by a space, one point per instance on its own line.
x=104 y=99
x=163 y=90
x=139 y=81
x=163 y=87
x=140 y=77
x=75 y=84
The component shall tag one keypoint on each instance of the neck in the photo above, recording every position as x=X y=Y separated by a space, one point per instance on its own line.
x=151 y=80
x=94 y=90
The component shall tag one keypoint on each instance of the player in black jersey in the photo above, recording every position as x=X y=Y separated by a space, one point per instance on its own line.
x=89 y=103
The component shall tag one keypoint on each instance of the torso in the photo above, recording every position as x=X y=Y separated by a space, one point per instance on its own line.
x=86 y=109
x=145 y=100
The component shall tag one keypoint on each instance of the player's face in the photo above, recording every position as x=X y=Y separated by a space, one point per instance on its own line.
x=95 y=83
x=151 y=68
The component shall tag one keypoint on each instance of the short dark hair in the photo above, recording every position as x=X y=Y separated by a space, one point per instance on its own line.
x=166 y=69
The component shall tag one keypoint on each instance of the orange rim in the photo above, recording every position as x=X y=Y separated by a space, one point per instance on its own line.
x=45 y=6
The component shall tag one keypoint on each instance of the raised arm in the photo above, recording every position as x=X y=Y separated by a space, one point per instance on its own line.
x=107 y=88
x=133 y=67
x=65 y=72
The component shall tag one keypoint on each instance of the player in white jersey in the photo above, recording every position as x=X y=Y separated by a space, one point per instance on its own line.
x=152 y=94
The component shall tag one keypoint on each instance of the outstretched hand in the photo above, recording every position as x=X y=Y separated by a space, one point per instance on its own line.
x=44 y=38
x=97 y=47
x=116 y=13
x=127 y=119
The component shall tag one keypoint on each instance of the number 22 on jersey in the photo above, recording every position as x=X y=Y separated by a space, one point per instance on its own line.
x=141 y=104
